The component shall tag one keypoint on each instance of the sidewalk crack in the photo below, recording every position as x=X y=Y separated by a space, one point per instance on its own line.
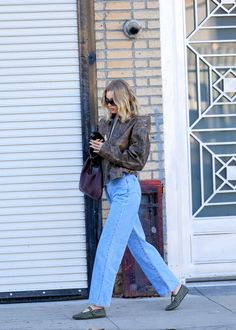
x=217 y=303
x=113 y=323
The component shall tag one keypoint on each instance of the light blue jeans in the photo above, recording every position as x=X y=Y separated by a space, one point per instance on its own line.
x=123 y=228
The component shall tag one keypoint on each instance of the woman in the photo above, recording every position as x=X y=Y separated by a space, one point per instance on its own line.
x=124 y=152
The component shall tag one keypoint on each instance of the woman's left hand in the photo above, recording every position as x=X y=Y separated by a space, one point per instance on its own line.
x=96 y=145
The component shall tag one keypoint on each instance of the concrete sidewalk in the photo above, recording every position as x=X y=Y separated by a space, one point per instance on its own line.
x=205 y=307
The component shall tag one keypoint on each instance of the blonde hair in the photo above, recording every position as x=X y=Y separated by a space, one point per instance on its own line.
x=124 y=99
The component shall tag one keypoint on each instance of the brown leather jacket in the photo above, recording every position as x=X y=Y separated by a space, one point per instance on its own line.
x=127 y=148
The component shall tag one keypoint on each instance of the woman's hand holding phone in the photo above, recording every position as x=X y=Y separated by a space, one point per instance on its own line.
x=96 y=141
x=96 y=145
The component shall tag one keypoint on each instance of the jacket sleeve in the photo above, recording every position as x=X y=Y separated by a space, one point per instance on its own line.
x=137 y=152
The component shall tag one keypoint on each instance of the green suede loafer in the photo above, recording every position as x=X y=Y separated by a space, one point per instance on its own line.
x=90 y=314
x=177 y=298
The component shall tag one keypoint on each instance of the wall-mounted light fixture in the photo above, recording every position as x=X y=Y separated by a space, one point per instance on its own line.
x=132 y=28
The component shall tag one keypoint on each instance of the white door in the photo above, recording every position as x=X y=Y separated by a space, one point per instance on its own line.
x=206 y=136
x=211 y=65
x=42 y=227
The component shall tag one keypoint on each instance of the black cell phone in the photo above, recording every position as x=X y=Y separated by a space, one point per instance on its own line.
x=96 y=136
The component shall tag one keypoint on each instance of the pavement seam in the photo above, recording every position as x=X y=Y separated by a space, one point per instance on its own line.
x=217 y=303
x=113 y=322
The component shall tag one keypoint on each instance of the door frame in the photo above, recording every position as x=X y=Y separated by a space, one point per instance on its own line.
x=174 y=95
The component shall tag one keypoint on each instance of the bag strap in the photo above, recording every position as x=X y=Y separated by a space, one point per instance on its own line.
x=113 y=126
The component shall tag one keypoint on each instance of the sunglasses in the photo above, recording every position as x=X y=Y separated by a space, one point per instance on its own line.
x=109 y=101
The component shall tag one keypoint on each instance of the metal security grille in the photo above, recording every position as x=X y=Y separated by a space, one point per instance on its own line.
x=211 y=55
x=42 y=216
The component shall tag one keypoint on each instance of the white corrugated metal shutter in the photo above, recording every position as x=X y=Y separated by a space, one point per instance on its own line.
x=42 y=228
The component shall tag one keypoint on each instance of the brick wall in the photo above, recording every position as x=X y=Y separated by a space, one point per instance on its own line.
x=137 y=61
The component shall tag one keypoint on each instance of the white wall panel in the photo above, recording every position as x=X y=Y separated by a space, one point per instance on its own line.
x=42 y=235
